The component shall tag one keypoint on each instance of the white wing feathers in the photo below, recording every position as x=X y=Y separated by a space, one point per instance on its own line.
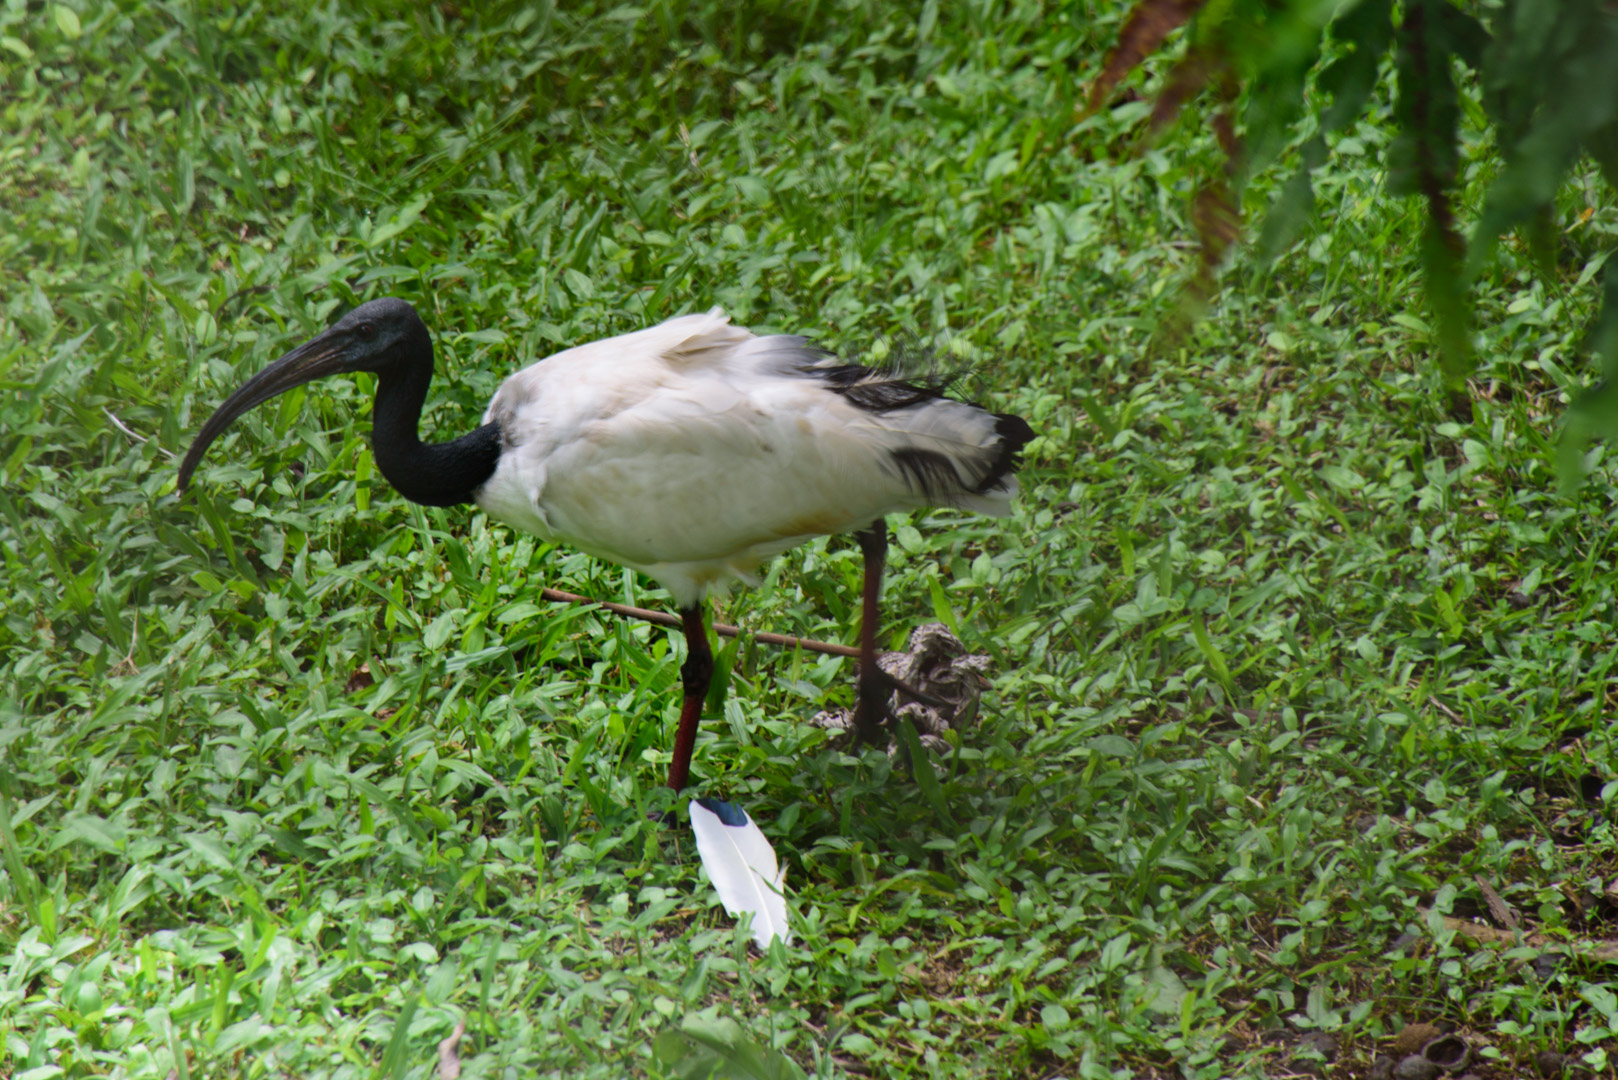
x=694 y=450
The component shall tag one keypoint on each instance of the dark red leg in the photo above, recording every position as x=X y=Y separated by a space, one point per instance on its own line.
x=695 y=674
x=871 y=707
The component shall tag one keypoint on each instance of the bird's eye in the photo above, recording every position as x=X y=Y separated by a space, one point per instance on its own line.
x=365 y=330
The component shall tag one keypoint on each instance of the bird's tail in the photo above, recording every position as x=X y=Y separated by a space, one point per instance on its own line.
x=949 y=452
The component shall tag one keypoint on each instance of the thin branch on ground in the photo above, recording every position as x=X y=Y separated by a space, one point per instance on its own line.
x=664 y=618
x=133 y=434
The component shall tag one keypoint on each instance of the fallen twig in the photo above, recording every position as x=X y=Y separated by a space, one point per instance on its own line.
x=664 y=618
x=133 y=434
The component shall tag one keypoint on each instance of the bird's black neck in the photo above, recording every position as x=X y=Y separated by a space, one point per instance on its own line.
x=433 y=474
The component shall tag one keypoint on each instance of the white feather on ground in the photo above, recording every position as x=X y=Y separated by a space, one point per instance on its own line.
x=742 y=866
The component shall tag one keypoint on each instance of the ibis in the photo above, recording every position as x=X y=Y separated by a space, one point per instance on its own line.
x=692 y=451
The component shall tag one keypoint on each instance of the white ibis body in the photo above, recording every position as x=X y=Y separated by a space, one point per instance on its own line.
x=692 y=451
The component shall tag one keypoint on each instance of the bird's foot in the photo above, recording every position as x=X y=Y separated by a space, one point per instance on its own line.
x=899 y=686
x=882 y=697
x=872 y=712
x=873 y=707
x=934 y=686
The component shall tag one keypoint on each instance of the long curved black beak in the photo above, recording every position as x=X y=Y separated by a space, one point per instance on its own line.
x=319 y=356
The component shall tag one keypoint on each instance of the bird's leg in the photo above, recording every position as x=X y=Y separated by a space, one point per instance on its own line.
x=871 y=705
x=695 y=675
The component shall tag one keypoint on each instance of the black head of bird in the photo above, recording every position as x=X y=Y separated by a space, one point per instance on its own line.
x=387 y=338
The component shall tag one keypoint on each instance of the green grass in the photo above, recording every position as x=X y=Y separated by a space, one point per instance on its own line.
x=294 y=775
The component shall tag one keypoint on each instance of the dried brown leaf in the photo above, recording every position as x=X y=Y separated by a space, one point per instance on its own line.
x=360 y=679
x=1218 y=224
x=1596 y=950
x=1227 y=89
x=449 y=1058
x=1148 y=24
x=1189 y=76
x=1214 y=216
x=1497 y=905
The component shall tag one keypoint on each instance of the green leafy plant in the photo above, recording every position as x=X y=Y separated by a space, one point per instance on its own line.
x=1524 y=87
x=720 y=1050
